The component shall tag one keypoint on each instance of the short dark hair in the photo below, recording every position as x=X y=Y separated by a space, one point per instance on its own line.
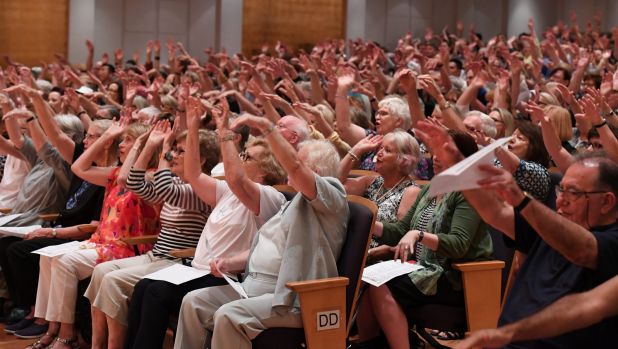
x=457 y=62
x=565 y=72
x=536 y=148
x=111 y=68
x=464 y=142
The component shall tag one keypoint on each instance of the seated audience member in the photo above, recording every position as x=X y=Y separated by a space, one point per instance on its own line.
x=480 y=126
x=504 y=121
x=569 y=313
x=46 y=186
x=241 y=204
x=527 y=160
x=15 y=169
x=578 y=256
x=83 y=206
x=394 y=190
x=183 y=216
x=123 y=214
x=439 y=230
x=302 y=241
x=393 y=113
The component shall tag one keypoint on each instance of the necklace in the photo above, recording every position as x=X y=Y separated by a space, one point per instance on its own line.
x=381 y=197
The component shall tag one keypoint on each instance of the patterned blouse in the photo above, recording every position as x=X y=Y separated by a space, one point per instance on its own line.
x=387 y=200
x=123 y=214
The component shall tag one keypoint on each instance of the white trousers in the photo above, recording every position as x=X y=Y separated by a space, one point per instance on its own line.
x=58 y=277
x=216 y=317
x=111 y=285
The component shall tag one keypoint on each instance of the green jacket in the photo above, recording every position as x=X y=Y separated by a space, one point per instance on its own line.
x=462 y=235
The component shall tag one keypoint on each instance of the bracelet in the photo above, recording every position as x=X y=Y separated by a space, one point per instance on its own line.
x=352 y=155
x=81 y=112
x=227 y=137
x=270 y=129
x=600 y=125
x=447 y=105
x=340 y=96
x=30 y=119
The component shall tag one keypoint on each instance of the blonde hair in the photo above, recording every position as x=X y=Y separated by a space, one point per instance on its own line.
x=561 y=120
x=273 y=172
x=209 y=148
x=135 y=130
x=408 y=150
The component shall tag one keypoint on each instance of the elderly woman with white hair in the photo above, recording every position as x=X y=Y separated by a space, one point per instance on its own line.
x=393 y=113
x=302 y=241
x=394 y=190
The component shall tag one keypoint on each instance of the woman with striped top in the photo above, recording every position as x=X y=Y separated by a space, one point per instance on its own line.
x=183 y=217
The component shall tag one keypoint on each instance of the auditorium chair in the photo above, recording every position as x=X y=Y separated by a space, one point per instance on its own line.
x=329 y=302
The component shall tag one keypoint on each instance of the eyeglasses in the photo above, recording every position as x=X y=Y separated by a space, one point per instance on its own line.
x=572 y=195
x=91 y=136
x=244 y=156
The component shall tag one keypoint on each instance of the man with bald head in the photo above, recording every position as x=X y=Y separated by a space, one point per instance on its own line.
x=293 y=129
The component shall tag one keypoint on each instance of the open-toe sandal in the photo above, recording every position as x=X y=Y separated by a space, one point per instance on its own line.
x=449 y=336
x=72 y=343
x=38 y=344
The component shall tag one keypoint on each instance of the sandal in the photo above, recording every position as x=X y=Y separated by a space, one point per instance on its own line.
x=449 y=336
x=72 y=343
x=39 y=342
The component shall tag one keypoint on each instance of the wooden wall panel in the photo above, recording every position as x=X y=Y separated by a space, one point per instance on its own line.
x=297 y=23
x=33 y=30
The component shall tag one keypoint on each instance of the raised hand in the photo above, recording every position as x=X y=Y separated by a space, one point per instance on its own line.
x=221 y=115
x=367 y=144
x=194 y=112
x=436 y=138
x=537 y=114
x=345 y=81
x=159 y=133
x=90 y=46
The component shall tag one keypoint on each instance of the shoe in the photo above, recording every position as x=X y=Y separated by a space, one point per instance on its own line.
x=376 y=343
x=40 y=345
x=16 y=315
x=19 y=325
x=449 y=335
x=33 y=331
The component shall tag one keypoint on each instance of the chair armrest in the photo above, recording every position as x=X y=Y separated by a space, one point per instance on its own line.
x=49 y=217
x=183 y=253
x=137 y=240
x=323 y=310
x=87 y=228
x=482 y=291
x=5 y=210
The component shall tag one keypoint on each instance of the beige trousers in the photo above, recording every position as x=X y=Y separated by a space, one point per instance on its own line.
x=216 y=317
x=111 y=286
x=58 y=277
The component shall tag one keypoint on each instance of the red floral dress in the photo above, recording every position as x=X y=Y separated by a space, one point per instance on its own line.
x=123 y=214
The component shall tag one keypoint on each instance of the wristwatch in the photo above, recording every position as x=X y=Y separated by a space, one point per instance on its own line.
x=421 y=235
x=54 y=232
x=524 y=202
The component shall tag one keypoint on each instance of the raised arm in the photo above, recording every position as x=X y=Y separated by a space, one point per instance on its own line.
x=552 y=142
x=247 y=191
x=203 y=185
x=610 y=143
x=83 y=168
x=407 y=81
x=63 y=143
x=357 y=186
x=349 y=132
x=300 y=176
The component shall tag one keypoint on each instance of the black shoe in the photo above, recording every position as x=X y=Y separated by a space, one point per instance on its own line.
x=20 y=325
x=16 y=315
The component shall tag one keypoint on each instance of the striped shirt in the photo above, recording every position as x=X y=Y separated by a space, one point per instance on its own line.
x=183 y=215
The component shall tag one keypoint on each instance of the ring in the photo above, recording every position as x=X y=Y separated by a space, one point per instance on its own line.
x=407 y=247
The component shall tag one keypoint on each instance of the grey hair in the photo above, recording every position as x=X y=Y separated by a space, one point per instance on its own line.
x=140 y=102
x=488 y=125
x=398 y=108
x=322 y=157
x=71 y=125
x=153 y=112
x=44 y=86
x=408 y=150
x=301 y=128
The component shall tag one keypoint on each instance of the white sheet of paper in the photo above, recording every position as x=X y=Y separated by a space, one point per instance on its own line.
x=18 y=231
x=465 y=174
x=9 y=217
x=380 y=273
x=57 y=250
x=177 y=274
x=236 y=286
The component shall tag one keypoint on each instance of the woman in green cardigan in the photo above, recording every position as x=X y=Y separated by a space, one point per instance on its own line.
x=441 y=230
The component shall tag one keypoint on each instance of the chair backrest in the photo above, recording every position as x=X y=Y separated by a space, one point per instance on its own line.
x=360 y=173
x=502 y=252
x=351 y=262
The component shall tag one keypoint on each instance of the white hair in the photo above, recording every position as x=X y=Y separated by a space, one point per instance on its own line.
x=321 y=157
x=398 y=108
x=71 y=125
x=407 y=148
x=488 y=125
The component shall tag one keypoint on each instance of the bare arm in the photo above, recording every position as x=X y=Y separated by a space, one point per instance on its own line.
x=348 y=131
x=63 y=143
x=203 y=185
